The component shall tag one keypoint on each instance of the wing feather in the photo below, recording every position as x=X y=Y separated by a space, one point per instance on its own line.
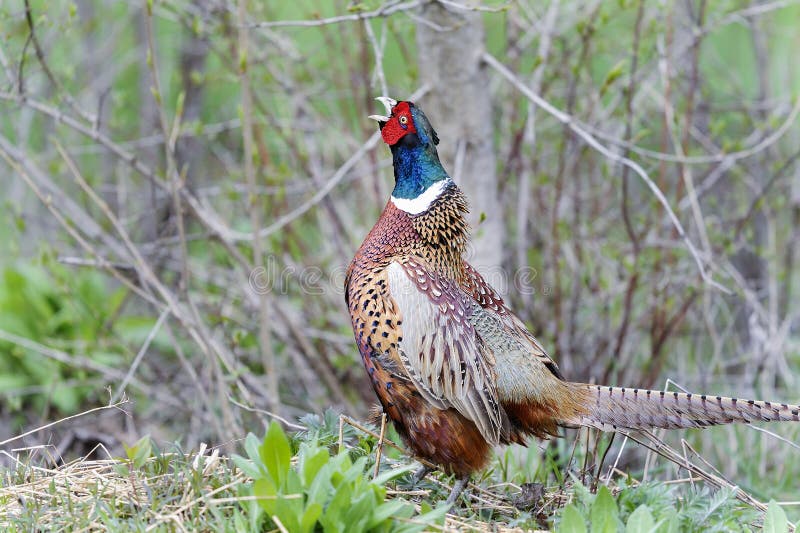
x=500 y=326
x=440 y=350
x=524 y=370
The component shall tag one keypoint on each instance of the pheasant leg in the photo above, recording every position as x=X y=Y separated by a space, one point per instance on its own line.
x=420 y=474
x=458 y=488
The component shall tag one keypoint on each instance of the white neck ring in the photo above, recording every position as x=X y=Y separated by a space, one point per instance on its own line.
x=421 y=203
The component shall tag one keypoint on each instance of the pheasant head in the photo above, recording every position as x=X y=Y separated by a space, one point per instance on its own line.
x=419 y=175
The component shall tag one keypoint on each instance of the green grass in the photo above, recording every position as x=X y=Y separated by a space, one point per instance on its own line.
x=313 y=481
x=98 y=328
x=155 y=490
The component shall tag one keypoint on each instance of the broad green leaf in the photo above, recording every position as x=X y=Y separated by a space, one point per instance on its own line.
x=357 y=513
x=331 y=519
x=321 y=486
x=385 y=511
x=429 y=516
x=640 y=521
x=671 y=525
x=383 y=478
x=246 y=466
x=266 y=491
x=293 y=484
x=239 y=523
x=275 y=453
x=251 y=444
x=310 y=460
x=340 y=503
x=139 y=452
x=775 y=519
x=604 y=514
x=310 y=517
x=289 y=510
x=571 y=521
x=254 y=510
x=355 y=471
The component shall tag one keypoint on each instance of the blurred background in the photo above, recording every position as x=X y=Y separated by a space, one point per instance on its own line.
x=185 y=182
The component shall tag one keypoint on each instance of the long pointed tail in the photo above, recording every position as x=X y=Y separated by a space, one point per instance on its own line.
x=616 y=407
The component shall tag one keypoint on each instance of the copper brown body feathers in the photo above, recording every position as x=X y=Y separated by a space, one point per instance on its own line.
x=430 y=330
x=466 y=338
x=437 y=240
x=454 y=369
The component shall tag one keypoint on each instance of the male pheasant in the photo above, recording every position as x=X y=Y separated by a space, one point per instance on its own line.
x=454 y=369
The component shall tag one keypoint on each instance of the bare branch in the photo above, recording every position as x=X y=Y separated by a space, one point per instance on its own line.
x=591 y=141
x=254 y=209
x=384 y=11
x=116 y=405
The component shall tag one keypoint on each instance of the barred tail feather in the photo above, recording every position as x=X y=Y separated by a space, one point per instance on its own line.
x=609 y=408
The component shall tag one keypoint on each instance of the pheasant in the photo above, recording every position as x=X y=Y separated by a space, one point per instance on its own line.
x=454 y=369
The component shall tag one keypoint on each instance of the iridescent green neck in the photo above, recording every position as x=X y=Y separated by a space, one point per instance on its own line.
x=416 y=168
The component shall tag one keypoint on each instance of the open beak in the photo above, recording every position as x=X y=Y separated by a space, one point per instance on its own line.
x=388 y=103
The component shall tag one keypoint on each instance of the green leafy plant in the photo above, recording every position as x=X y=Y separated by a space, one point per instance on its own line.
x=48 y=306
x=60 y=327
x=657 y=508
x=775 y=519
x=138 y=453
x=324 y=490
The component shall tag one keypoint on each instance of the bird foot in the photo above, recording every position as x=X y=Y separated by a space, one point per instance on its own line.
x=458 y=488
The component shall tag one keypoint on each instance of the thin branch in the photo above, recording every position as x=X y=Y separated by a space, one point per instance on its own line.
x=377 y=49
x=332 y=182
x=383 y=11
x=6 y=67
x=594 y=143
x=49 y=73
x=254 y=209
x=702 y=159
x=67 y=418
x=140 y=355
x=77 y=361
x=143 y=268
x=764 y=190
x=79 y=219
x=484 y=9
x=282 y=420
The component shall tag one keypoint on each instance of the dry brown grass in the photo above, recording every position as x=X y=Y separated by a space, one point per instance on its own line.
x=200 y=491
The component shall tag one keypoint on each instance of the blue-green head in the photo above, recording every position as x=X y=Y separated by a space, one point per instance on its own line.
x=412 y=139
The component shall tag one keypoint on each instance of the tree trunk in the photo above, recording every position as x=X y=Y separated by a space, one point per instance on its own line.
x=460 y=109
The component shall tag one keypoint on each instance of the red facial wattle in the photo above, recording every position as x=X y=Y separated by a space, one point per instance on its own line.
x=399 y=125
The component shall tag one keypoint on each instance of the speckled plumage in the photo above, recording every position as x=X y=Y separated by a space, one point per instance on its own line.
x=425 y=253
x=453 y=367
x=377 y=322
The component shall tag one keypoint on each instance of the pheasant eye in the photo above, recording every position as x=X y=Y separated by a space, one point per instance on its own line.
x=403 y=119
